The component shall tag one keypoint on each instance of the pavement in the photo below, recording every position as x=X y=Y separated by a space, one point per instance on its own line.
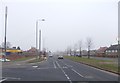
x=54 y=69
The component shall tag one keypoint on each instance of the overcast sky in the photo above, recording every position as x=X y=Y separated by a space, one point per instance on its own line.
x=66 y=22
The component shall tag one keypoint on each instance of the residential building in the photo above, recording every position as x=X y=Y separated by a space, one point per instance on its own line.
x=101 y=52
x=32 y=50
x=112 y=51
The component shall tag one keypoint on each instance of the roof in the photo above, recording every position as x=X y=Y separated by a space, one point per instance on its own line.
x=102 y=49
x=113 y=47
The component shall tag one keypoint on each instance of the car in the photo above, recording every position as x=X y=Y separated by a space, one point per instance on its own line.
x=60 y=57
x=3 y=60
x=50 y=55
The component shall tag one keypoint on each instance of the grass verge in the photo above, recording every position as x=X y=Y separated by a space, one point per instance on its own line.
x=23 y=59
x=35 y=60
x=102 y=64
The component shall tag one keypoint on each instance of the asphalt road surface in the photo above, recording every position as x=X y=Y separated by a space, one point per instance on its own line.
x=54 y=69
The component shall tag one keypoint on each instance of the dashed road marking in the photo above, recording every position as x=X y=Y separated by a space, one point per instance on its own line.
x=67 y=64
x=77 y=73
x=64 y=72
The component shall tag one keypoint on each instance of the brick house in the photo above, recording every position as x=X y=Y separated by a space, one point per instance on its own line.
x=112 y=51
x=32 y=50
x=101 y=52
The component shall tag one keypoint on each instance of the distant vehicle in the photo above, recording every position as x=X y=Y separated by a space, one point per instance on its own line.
x=50 y=55
x=60 y=57
x=1 y=59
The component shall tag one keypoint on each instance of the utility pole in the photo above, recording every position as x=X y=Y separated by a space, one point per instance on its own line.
x=5 y=33
x=39 y=43
x=39 y=40
x=118 y=37
x=36 y=39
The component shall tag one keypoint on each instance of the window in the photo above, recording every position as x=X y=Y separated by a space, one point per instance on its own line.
x=113 y=51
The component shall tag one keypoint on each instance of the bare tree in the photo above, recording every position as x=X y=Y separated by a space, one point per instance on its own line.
x=75 y=49
x=8 y=45
x=80 y=48
x=69 y=50
x=89 y=45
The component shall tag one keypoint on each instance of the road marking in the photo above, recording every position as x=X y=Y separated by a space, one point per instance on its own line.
x=54 y=65
x=67 y=64
x=66 y=75
x=3 y=80
x=97 y=69
x=46 y=68
x=35 y=66
x=64 y=72
x=105 y=71
x=64 y=67
x=58 y=64
x=12 y=78
x=77 y=73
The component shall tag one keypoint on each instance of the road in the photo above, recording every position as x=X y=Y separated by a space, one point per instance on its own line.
x=54 y=69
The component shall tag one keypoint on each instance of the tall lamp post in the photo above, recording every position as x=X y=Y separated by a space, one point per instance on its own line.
x=119 y=38
x=5 y=33
x=37 y=36
x=40 y=40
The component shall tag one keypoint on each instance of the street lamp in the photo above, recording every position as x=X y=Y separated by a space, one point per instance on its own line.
x=5 y=34
x=37 y=35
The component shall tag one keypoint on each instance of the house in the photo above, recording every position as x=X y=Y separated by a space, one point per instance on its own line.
x=1 y=53
x=112 y=51
x=92 y=52
x=101 y=52
x=84 y=52
x=32 y=50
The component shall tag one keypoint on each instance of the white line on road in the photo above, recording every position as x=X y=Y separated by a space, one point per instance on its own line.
x=68 y=65
x=64 y=72
x=47 y=68
x=97 y=69
x=77 y=73
x=2 y=80
x=58 y=64
x=35 y=66
x=12 y=78
x=64 y=67
x=54 y=65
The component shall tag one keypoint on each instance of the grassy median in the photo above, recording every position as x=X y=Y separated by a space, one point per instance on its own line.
x=36 y=60
x=103 y=64
x=23 y=59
